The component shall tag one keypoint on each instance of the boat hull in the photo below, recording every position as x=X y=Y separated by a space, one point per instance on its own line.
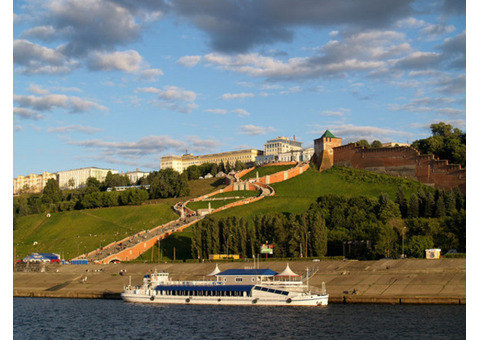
x=312 y=300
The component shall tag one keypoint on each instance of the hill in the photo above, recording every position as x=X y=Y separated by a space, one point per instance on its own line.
x=75 y=232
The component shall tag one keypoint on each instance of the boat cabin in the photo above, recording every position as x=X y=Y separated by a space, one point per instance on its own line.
x=245 y=276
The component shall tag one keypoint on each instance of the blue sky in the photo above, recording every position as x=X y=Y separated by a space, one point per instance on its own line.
x=118 y=84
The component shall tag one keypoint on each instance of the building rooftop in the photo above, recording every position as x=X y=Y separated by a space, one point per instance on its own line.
x=328 y=134
x=239 y=272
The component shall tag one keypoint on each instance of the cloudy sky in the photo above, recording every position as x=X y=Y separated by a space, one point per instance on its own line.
x=120 y=83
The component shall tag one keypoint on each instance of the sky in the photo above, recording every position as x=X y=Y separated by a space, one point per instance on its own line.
x=119 y=84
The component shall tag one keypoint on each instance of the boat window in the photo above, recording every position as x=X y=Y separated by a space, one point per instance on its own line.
x=284 y=293
x=239 y=279
x=258 y=288
x=264 y=289
x=253 y=279
x=271 y=290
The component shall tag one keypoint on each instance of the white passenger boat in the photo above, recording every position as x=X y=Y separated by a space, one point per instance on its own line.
x=230 y=287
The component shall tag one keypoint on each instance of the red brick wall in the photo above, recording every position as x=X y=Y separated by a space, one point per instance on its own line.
x=404 y=162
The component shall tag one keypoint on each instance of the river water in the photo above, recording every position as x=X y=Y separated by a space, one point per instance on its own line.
x=43 y=318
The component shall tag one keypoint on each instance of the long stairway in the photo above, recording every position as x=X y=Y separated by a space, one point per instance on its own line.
x=186 y=218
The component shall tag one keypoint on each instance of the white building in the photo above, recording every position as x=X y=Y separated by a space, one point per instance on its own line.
x=282 y=149
x=134 y=176
x=76 y=178
x=281 y=145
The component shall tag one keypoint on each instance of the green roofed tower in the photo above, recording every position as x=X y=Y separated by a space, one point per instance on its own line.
x=324 y=145
x=328 y=134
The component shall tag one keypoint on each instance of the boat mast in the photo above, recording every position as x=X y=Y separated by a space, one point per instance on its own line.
x=307 y=279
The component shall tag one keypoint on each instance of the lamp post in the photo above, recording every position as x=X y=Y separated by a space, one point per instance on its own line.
x=403 y=242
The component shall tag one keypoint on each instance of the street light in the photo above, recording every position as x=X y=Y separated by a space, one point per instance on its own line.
x=403 y=242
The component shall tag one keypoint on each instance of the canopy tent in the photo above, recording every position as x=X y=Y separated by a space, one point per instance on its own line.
x=287 y=272
x=215 y=271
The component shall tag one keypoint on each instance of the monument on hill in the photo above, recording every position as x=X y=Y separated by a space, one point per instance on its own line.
x=323 y=156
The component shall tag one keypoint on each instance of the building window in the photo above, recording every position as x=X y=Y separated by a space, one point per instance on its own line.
x=239 y=279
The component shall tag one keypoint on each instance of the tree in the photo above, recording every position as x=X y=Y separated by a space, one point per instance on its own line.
x=387 y=244
x=417 y=244
x=51 y=192
x=193 y=172
x=364 y=143
x=445 y=142
x=376 y=144
x=413 y=206
x=401 y=200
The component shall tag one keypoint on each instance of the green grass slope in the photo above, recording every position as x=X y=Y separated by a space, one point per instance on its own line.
x=76 y=232
x=266 y=170
x=297 y=194
x=72 y=233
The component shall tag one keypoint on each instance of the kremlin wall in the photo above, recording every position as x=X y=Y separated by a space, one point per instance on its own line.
x=403 y=161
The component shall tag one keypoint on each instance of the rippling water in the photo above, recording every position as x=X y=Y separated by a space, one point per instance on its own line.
x=37 y=318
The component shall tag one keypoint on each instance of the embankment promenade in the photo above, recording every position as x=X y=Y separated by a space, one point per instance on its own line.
x=410 y=281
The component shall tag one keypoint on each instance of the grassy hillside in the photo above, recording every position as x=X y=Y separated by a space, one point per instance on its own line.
x=266 y=170
x=297 y=194
x=229 y=198
x=75 y=232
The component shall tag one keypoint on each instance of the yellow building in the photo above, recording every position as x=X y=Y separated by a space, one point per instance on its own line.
x=32 y=183
x=180 y=163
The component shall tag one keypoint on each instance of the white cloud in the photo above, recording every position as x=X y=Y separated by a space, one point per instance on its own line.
x=37 y=89
x=353 y=133
x=23 y=112
x=74 y=128
x=229 y=96
x=36 y=59
x=253 y=130
x=189 y=61
x=172 y=98
x=217 y=111
x=241 y=112
x=124 y=151
x=51 y=101
x=127 y=61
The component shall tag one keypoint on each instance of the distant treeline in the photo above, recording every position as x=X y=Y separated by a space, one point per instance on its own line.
x=197 y=171
x=446 y=142
x=356 y=227
x=163 y=184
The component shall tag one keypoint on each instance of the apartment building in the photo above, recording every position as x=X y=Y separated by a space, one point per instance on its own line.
x=32 y=183
x=76 y=178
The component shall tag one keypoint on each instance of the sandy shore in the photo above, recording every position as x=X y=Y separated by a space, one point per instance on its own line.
x=409 y=281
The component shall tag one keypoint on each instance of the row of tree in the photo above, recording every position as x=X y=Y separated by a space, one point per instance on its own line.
x=446 y=142
x=296 y=235
x=197 y=171
x=356 y=227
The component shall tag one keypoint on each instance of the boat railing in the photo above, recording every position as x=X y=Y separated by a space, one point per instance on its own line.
x=192 y=283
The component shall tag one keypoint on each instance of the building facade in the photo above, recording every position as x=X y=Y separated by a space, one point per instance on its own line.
x=134 y=176
x=76 y=178
x=181 y=163
x=281 y=145
x=32 y=183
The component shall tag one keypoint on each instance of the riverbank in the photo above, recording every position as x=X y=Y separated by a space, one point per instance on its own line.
x=410 y=281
